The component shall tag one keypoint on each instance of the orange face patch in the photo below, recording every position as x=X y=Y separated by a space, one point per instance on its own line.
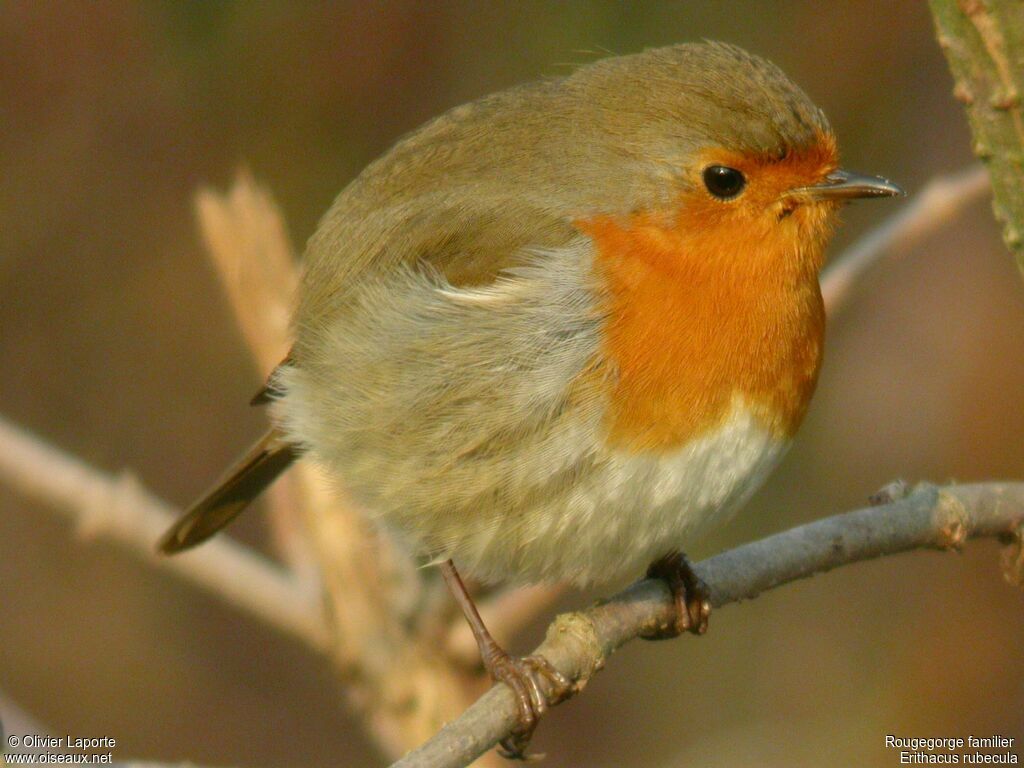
x=712 y=300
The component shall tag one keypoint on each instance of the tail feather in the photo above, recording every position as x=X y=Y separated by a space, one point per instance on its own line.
x=242 y=483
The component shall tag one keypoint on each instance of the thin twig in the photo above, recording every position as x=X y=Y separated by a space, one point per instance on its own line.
x=118 y=508
x=579 y=644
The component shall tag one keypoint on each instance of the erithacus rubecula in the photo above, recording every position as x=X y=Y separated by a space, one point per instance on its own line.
x=552 y=331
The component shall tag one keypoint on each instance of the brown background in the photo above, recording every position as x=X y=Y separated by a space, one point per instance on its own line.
x=116 y=345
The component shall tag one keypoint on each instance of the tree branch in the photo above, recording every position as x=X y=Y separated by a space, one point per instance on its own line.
x=579 y=644
x=118 y=508
x=983 y=41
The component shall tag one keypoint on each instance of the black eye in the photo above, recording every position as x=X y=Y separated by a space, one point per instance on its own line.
x=723 y=182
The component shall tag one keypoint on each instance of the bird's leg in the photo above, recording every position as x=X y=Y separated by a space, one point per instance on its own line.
x=521 y=674
x=691 y=595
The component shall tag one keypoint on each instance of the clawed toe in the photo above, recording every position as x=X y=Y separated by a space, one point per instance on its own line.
x=524 y=675
x=691 y=595
x=527 y=676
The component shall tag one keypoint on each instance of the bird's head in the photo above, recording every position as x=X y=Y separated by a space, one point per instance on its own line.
x=721 y=149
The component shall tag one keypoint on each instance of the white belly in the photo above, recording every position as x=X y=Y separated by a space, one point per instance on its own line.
x=627 y=510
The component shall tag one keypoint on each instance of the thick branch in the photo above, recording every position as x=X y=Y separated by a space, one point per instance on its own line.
x=984 y=44
x=579 y=644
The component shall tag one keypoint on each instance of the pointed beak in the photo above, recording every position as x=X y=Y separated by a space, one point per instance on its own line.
x=843 y=185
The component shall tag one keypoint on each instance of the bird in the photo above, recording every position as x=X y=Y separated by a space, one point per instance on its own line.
x=552 y=334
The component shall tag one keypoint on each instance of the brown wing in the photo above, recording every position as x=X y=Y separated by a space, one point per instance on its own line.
x=243 y=482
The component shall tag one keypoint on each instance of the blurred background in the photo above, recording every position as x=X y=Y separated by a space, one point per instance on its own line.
x=117 y=346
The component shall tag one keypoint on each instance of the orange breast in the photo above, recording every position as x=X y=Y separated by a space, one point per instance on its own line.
x=704 y=305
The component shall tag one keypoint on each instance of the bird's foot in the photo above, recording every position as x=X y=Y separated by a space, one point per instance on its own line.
x=524 y=675
x=691 y=595
x=527 y=676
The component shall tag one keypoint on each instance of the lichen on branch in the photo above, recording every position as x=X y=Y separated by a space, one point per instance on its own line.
x=983 y=41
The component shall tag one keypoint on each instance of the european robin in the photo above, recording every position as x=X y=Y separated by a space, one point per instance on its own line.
x=551 y=332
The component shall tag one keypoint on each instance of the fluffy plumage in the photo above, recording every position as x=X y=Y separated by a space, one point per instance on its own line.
x=473 y=421
x=528 y=339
